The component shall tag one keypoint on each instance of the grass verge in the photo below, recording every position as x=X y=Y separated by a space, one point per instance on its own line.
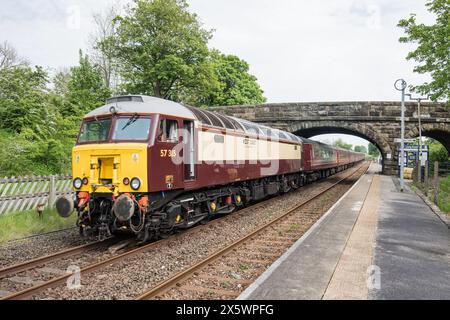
x=27 y=223
x=444 y=195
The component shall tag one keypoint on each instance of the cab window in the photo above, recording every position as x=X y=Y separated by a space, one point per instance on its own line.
x=95 y=131
x=131 y=128
x=168 y=131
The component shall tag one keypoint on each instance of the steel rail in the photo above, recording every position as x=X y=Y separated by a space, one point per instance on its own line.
x=165 y=286
x=27 y=265
x=29 y=292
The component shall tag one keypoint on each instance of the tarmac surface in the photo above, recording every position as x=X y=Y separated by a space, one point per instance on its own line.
x=412 y=248
x=375 y=243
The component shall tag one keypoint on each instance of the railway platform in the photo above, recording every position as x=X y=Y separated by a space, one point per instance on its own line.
x=375 y=243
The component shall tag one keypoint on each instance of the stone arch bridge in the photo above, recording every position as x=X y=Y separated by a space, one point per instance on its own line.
x=377 y=122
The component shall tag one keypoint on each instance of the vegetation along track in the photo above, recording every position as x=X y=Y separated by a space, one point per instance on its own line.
x=35 y=291
x=218 y=275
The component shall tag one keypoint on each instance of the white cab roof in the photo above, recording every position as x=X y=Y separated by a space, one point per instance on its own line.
x=143 y=104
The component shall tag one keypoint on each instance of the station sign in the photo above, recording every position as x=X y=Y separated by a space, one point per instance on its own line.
x=412 y=155
x=405 y=140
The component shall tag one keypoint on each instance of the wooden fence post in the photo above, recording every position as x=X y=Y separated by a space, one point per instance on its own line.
x=51 y=192
x=426 y=178
x=436 y=182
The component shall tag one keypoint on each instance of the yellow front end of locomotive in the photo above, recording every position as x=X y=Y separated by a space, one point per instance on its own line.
x=110 y=168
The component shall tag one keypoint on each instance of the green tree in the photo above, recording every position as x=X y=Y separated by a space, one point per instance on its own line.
x=373 y=150
x=341 y=144
x=76 y=92
x=437 y=151
x=22 y=156
x=61 y=82
x=236 y=84
x=67 y=126
x=162 y=50
x=24 y=104
x=13 y=158
x=433 y=51
x=85 y=89
x=361 y=149
x=36 y=136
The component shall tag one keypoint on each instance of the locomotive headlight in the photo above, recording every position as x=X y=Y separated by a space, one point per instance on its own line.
x=135 y=183
x=77 y=183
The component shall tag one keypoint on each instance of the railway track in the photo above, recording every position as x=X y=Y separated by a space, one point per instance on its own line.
x=61 y=280
x=30 y=264
x=257 y=250
x=40 y=287
x=38 y=270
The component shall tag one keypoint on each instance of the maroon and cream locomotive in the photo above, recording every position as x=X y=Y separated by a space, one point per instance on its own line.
x=151 y=166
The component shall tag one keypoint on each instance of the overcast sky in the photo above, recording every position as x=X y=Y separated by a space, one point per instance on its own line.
x=300 y=51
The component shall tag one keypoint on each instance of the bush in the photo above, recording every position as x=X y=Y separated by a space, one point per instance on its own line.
x=21 y=156
x=13 y=158
x=437 y=152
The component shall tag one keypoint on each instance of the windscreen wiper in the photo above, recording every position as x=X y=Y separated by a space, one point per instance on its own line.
x=132 y=120
x=102 y=125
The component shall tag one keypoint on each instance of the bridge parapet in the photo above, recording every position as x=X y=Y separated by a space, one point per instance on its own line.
x=367 y=110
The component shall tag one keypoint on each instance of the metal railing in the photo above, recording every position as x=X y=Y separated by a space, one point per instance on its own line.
x=26 y=193
x=444 y=168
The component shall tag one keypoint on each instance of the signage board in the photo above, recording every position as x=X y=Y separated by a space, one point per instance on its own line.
x=405 y=140
x=412 y=155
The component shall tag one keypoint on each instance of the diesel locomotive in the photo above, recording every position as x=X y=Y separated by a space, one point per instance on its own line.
x=149 y=166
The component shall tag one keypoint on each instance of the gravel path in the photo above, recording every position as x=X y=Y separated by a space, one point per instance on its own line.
x=126 y=279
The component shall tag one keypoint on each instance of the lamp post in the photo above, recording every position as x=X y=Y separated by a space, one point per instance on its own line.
x=419 y=163
x=400 y=85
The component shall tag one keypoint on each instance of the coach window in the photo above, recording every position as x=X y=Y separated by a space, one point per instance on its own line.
x=168 y=131
x=219 y=139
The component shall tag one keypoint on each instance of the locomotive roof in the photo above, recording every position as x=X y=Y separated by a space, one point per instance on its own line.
x=147 y=104
x=142 y=104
